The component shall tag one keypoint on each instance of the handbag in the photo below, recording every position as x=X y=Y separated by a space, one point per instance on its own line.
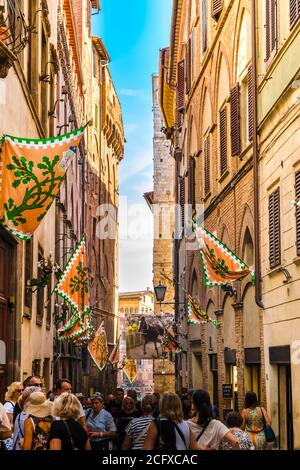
x=269 y=433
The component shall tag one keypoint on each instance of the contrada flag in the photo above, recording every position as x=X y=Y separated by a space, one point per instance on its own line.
x=130 y=370
x=31 y=173
x=98 y=348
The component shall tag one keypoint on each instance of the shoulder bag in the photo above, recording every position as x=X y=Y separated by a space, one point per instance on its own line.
x=269 y=433
x=70 y=436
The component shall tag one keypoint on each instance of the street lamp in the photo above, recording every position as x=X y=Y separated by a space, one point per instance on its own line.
x=160 y=292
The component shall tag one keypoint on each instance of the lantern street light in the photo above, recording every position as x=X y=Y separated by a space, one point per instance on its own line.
x=160 y=292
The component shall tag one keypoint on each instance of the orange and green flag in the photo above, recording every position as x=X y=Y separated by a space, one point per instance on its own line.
x=31 y=173
x=114 y=355
x=130 y=370
x=197 y=315
x=73 y=285
x=77 y=330
x=221 y=266
x=98 y=348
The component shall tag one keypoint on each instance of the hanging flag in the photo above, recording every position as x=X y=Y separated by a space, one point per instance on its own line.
x=170 y=343
x=130 y=370
x=221 y=266
x=197 y=315
x=31 y=173
x=114 y=355
x=98 y=348
x=77 y=330
x=73 y=285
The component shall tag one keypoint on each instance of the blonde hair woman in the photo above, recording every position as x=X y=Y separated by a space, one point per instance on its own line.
x=14 y=391
x=67 y=433
x=170 y=432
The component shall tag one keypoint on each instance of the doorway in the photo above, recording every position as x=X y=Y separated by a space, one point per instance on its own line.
x=285 y=408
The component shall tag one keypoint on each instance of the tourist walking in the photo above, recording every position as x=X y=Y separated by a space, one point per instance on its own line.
x=100 y=425
x=255 y=418
x=114 y=407
x=129 y=412
x=12 y=395
x=170 y=432
x=18 y=432
x=66 y=433
x=208 y=432
x=137 y=429
x=65 y=386
x=5 y=427
x=37 y=425
x=31 y=381
x=234 y=421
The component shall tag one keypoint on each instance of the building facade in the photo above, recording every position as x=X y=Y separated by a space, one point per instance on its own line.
x=209 y=122
x=278 y=73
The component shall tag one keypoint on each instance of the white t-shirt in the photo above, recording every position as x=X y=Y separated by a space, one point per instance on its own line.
x=213 y=434
x=184 y=428
x=4 y=421
x=9 y=407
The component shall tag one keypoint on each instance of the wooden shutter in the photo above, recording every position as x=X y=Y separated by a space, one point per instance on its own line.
x=192 y=198
x=204 y=26
x=223 y=140
x=297 y=191
x=271 y=27
x=216 y=8
x=250 y=104
x=294 y=12
x=235 y=121
x=188 y=68
x=207 y=165
x=180 y=86
x=182 y=199
x=274 y=229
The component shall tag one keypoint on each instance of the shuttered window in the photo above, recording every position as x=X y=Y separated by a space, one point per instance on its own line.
x=235 y=121
x=204 y=26
x=271 y=27
x=207 y=165
x=216 y=8
x=192 y=183
x=188 y=66
x=180 y=86
x=294 y=12
x=250 y=104
x=223 y=141
x=274 y=229
x=182 y=199
x=297 y=191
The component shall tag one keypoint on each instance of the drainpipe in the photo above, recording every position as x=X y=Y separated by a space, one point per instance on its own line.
x=258 y=284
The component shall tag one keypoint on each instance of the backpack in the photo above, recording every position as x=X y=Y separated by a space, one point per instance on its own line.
x=40 y=437
x=166 y=440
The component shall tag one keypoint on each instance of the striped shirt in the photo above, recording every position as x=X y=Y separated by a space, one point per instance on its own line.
x=137 y=431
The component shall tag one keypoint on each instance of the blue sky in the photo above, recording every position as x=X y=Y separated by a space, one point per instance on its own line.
x=133 y=32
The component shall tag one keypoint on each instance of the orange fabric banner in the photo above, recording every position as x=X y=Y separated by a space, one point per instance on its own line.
x=221 y=266
x=73 y=285
x=31 y=173
x=98 y=348
x=130 y=370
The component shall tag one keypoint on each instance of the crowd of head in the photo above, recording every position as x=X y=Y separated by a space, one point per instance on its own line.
x=61 y=420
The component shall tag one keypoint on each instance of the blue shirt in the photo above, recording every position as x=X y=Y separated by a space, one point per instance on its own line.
x=103 y=422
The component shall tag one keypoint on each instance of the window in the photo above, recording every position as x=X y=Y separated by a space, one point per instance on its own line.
x=297 y=191
x=192 y=196
x=274 y=229
x=49 y=304
x=216 y=8
x=40 y=293
x=28 y=274
x=250 y=104
x=204 y=26
x=207 y=165
x=182 y=199
x=223 y=140
x=235 y=120
x=294 y=12
x=180 y=93
x=188 y=66
x=271 y=27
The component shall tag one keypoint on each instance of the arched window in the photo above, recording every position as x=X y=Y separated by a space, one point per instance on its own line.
x=248 y=249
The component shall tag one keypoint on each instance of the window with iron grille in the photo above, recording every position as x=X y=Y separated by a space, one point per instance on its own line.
x=223 y=140
x=294 y=12
x=207 y=165
x=271 y=27
x=274 y=229
x=297 y=192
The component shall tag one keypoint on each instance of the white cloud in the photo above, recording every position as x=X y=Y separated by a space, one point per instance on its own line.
x=131 y=127
x=129 y=92
x=136 y=165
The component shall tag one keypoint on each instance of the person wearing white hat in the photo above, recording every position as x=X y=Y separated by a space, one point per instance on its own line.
x=37 y=425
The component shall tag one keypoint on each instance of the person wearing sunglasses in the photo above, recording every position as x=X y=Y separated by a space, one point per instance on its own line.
x=12 y=395
x=31 y=381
